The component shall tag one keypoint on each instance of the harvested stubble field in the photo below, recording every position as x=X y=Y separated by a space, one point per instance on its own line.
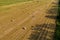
x=15 y=17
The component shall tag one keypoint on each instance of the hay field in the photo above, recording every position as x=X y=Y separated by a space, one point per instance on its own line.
x=14 y=17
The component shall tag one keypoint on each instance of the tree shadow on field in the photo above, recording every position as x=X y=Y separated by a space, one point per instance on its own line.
x=51 y=16
x=38 y=32
x=53 y=9
x=52 y=12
